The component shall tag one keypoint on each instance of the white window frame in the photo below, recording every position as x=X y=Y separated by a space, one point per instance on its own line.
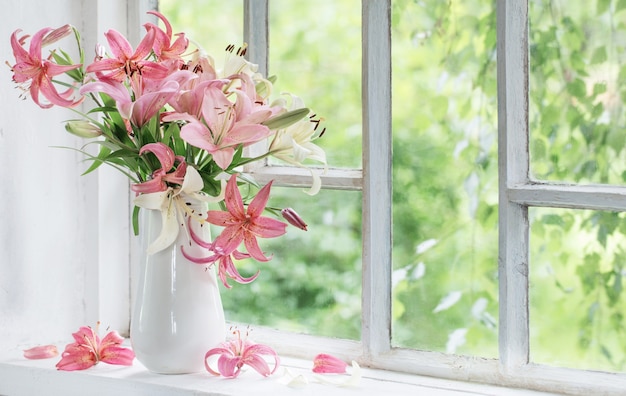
x=517 y=193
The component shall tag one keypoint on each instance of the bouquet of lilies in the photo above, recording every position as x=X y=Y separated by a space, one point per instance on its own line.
x=177 y=126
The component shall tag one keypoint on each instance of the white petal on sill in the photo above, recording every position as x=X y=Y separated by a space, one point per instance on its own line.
x=293 y=380
x=340 y=380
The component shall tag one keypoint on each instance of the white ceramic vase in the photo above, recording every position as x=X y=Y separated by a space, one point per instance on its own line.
x=178 y=314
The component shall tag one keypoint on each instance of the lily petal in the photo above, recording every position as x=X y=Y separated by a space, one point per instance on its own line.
x=293 y=380
x=169 y=230
x=324 y=364
x=164 y=154
x=351 y=381
x=228 y=366
x=76 y=357
x=117 y=355
x=192 y=182
x=41 y=352
x=154 y=201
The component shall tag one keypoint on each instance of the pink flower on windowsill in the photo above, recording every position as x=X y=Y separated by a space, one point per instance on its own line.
x=88 y=350
x=239 y=352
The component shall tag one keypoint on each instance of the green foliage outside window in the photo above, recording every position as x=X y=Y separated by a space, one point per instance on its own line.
x=445 y=257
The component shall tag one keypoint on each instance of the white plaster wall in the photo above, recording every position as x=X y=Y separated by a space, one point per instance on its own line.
x=63 y=237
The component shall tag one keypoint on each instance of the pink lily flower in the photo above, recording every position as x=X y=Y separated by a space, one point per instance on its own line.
x=189 y=99
x=89 y=350
x=125 y=62
x=325 y=364
x=223 y=129
x=41 y=352
x=163 y=46
x=226 y=266
x=236 y=353
x=244 y=225
x=162 y=176
x=31 y=67
x=149 y=97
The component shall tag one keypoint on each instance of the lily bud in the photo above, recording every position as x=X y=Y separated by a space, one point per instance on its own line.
x=83 y=129
x=100 y=51
x=57 y=34
x=293 y=218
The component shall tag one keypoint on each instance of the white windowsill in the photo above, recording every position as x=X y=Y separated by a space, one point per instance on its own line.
x=19 y=376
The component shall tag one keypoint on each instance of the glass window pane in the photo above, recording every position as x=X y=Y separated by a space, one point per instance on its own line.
x=577 y=303
x=313 y=282
x=317 y=56
x=212 y=24
x=445 y=176
x=576 y=114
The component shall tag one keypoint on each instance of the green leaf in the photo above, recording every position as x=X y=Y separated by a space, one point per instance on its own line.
x=613 y=289
x=606 y=353
x=577 y=88
x=286 y=119
x=599 y=56
x=587 y=272
x=621 y=4
x=439 y=106
x=553 y=219
x=99 y=160
x=136 y=220
x=599 y=88
x=602 y=6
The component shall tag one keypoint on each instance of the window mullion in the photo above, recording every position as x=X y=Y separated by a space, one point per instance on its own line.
x=594 y=197
x=292 y=176
x=513 y=156
x=256 y=35
x=376 y=98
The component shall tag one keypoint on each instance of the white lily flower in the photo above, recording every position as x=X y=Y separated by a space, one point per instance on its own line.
x=294 y=144
x=173 y=206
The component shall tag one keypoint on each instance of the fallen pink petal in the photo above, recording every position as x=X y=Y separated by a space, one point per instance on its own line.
x=41 y=352
x=328 y=364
